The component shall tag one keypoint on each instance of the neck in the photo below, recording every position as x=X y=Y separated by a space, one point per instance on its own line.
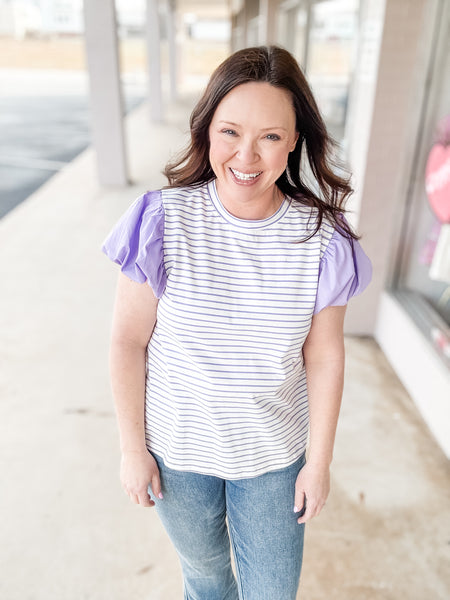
x=252 y=209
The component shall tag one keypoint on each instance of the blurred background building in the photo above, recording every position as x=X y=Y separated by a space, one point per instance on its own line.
x=380 y=72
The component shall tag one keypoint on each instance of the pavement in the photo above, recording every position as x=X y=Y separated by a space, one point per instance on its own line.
x=45 y=124
x=68 y=531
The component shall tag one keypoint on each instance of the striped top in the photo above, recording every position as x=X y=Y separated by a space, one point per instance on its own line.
x=226 y=385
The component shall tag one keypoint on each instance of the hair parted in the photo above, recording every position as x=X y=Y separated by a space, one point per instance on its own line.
x=279 y=68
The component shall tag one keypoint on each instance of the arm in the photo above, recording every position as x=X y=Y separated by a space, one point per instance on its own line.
x=133 y=323
x=323 y=354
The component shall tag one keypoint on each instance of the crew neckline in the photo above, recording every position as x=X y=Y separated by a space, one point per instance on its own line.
x=247 y=223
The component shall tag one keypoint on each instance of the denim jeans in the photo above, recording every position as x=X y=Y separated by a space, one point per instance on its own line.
x=203 y=514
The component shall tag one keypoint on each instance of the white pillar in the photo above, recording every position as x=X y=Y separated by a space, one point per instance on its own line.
x=305 y=51
x=105 y=91
x=267 y=22
x=239 y=32
x=154 y=61
x=388 y=94
x=172 y=39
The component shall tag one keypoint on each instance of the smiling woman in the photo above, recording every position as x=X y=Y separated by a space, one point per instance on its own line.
x=285 y=81
x=251 y=135
x=227 y=346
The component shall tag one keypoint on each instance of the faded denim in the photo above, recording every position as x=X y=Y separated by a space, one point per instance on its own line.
x=204 y=515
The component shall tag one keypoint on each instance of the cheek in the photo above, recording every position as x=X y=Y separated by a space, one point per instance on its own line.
x=278 y=159
x=219 y=151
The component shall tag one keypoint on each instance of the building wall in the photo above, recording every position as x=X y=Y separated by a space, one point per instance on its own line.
x=388 y=93
x=387 y=110
x=387 y=119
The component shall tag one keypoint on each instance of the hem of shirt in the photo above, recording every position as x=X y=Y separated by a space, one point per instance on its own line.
x=213 y=472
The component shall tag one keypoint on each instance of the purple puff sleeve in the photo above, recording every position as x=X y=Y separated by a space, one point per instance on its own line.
x=345 y=271
x=136 y=242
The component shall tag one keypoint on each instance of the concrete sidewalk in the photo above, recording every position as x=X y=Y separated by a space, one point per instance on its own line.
x=68 y=531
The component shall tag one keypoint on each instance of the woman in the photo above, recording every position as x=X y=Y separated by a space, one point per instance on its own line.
x=227 y=345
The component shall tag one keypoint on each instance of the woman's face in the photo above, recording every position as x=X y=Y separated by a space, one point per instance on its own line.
x=251 y=135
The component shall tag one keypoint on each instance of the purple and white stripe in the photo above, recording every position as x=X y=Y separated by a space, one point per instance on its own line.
x=226 y=387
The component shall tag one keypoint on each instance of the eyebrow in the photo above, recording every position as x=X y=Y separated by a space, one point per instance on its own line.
x=265 y=128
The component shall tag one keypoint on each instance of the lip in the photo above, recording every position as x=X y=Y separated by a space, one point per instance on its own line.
x=245 y=181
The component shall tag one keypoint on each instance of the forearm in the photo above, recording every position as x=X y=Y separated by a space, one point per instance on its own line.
x=323 y=354
x=127 y=366
x=325 y=383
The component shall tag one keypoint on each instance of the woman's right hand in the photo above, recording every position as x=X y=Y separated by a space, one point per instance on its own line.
x=138 y=470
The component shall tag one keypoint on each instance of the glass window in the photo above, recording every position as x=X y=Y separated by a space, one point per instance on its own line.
x=322 y=35
x=331 y=56
x=422 y=282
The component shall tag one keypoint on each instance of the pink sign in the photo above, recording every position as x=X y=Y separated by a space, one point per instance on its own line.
x=437 y=181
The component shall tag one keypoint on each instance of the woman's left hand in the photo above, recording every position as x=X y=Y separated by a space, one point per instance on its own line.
x=312 y=487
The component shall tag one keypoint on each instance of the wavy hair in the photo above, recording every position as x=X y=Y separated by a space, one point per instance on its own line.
x=276 y=66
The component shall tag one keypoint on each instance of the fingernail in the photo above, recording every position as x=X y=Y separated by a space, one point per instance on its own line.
x=296 y=509
x=160 y=496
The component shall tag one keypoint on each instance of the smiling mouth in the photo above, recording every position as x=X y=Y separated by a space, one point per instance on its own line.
x=245 y=176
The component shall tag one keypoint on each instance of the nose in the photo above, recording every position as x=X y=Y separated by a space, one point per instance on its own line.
x=247 y=151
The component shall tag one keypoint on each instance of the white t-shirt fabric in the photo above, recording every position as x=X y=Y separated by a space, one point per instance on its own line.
x=226 y=391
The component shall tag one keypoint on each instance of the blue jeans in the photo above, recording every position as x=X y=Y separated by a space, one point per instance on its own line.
x=262 y=527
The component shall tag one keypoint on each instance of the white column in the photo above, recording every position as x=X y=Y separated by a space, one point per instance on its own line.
x=267 y=21
x=239 y=34
x=154 y=61
x=105 y=91
x=308 y=7
x=385 y=110
x=172 y=39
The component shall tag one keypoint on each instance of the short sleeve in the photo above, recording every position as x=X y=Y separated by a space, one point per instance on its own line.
x=136 y=242
x=345 y=271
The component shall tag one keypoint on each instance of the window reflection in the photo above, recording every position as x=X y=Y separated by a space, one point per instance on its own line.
x=323 y=37
x=330 y=59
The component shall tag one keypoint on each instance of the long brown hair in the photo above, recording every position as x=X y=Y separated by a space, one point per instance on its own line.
x=278 y=67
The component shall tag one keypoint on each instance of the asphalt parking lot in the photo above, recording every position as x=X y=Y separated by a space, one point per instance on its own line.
x=44 y=124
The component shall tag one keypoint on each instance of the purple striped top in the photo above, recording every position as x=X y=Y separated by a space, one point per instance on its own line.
x=226 y=390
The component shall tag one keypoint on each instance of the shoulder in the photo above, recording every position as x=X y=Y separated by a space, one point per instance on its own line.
x=335 y=235
x=314 y=229
x=345 y=271
x=328 y=233
x=183 y=195
x=148 y=204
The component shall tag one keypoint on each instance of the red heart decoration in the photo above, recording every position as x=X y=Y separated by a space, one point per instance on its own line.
x=437 y=181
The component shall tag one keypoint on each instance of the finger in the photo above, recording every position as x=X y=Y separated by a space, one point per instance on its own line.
x=156 y=485
x=312 y=510
x=133 y=497
x=129 y=492
x=319 y=509
x=320 y=505
x=145 y=500
x=299 y=502
x=307 y=515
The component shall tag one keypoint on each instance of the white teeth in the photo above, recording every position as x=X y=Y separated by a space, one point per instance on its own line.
x=245 y=176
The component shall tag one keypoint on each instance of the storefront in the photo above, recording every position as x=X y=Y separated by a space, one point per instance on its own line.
x=414 y=317
x=323 y=36
x=422 y=279
x=380 y=72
